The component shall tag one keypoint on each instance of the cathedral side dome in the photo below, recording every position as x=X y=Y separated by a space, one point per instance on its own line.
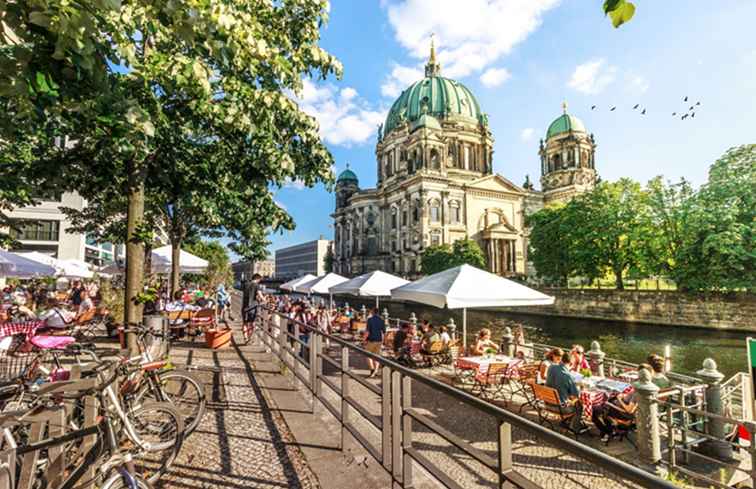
x=432 y=98
x=565 y=123
x=347 y=176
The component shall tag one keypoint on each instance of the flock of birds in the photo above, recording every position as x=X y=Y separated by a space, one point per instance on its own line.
x=691 y=112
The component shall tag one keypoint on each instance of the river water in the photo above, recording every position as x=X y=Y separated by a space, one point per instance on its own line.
x=625 y=341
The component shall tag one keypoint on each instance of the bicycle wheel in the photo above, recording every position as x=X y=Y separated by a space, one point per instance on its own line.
x=117 y=481
x=182 y=389
x=160 y=427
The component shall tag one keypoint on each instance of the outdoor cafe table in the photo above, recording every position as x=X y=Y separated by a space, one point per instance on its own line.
x=596 y=391
x=480 y=364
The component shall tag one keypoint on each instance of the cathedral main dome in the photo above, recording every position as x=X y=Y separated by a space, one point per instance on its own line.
x=434 y=96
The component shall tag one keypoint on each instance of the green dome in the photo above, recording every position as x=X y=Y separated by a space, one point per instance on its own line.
x=347 y=176
x=563 y=124
x=435 y=96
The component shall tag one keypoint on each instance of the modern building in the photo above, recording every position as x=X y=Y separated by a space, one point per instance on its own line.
x=44 y=228
x=436 y=184
x=301 y=259
x=246 y=269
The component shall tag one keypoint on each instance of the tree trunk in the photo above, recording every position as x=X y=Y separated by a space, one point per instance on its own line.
x=175 y=264
x=618 y=280
x=134 y=256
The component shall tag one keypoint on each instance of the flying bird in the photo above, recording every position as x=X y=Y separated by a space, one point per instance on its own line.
x=643 y=112
x=674 y=114
x=593 y=107
x=698 y=103
x=636 y=106
x=684 y=117
x=692 y=107
x=693 y=114
x=612 y=109
x=685 y=99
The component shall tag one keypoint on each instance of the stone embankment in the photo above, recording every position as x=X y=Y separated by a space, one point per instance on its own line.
x=728 y=312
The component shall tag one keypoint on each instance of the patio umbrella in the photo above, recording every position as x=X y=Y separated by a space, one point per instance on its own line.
x=466 y=287
x=63 y=268
x=321 y=285
x=162 y=258
x=15 y=265
x=372 y=284
x=291 y=283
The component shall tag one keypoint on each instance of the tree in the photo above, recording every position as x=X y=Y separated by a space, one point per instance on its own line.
x=100 y=86
x=328 y=260
x=718 y=246
x=550 y=244
x=219 y=264
x=442 y=257
x=668 y=207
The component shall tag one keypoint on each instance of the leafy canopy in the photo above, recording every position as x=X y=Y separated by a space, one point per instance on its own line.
x=442 y=257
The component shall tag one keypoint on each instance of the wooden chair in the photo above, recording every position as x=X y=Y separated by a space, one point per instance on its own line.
x=435 y=353
x=549 y=407
x=490 y=383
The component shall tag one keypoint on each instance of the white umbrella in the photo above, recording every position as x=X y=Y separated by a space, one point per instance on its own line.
x=162 y=258
x=464 y=287
x=63 y=268
x=291 y=283
x=15 y=265
x=321 y=285
x=372 y=284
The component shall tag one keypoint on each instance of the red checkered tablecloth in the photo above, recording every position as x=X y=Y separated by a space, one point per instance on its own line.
x=590 y=398
x=480 y=363
x=28 y=327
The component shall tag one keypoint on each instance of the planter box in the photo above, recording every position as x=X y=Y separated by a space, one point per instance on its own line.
x=218 y=338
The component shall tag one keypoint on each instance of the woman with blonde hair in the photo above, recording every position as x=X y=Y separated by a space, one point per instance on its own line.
x=484 y=344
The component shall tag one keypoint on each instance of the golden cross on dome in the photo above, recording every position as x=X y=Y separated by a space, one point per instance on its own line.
x=564 y=106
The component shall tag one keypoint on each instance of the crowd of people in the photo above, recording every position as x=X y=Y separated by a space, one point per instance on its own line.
x=58 y=308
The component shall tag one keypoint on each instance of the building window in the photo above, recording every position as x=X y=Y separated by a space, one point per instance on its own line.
x=393 y=219
x=36 y=231
x=467 y=157
x=435 y=239
x=404 y=217
x=456 y=213
x=435 y=212
x=416 y=212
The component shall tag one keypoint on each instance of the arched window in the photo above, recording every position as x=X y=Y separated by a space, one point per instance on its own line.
x=435 y=211
x=393 y=218
x=435 y=160
x=555 y=162
x=416 y=212
x=455 y=212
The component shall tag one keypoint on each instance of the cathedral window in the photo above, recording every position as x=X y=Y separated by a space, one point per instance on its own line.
x=435 y=211
x=416 y=212
x=435 y=160
x=467 y=157
x=456 y=212
x=393 y=218
x=435 y=239
x=404 y=217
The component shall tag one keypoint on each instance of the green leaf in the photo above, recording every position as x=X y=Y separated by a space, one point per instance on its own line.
x=39 y=18
x=622 y=13
x=610 y=5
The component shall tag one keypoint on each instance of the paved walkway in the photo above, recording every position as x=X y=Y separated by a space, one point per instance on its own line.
x=242 y=441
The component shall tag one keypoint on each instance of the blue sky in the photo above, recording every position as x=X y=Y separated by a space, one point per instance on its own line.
x=522 y=58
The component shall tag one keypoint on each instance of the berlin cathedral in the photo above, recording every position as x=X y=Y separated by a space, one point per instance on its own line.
x=436 y=184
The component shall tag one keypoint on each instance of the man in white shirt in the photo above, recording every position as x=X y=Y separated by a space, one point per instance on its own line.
x=57 y=316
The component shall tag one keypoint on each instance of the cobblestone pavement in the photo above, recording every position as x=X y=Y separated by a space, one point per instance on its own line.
x=242 y=442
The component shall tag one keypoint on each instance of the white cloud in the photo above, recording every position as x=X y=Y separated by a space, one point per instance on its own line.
x=527 y=134
x=470 y=35
x=400 y=78
x=345 y=118
x=593 y=76
x=639 y=84
x=493 y=77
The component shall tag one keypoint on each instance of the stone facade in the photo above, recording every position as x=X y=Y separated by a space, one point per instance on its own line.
x=728 y=312
x=435 y=185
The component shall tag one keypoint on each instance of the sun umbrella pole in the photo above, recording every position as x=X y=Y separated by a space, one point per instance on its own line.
x=464 y=330
x=377 y=304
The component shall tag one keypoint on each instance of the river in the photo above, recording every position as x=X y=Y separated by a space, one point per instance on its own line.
x=625 y=341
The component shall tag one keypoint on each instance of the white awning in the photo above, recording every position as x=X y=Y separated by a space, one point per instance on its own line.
x=291 y=283
x=15 y=265
x=162 y=258
x=320 y=285
x=372 y=284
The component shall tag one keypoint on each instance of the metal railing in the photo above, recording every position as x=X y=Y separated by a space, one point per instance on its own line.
x=522 y=454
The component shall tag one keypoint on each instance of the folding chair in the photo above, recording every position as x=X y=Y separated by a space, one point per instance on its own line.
x=549 y=406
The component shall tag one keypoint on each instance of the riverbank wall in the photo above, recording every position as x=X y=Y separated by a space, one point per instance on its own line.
x=735 y=312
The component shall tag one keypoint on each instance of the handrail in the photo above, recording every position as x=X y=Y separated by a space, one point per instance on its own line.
x=618 y=467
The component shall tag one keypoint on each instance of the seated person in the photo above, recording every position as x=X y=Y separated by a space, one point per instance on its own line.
x=484 y=344
x=444 y=335
x=553 y=357
x=85 y=304
x=578 y=362
x=656 y=363
x=19 y=311
x=429 y=337
x=178 y=303
x=56 y=315
x=400 y=338
x=559 y=378
x=621 y=407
